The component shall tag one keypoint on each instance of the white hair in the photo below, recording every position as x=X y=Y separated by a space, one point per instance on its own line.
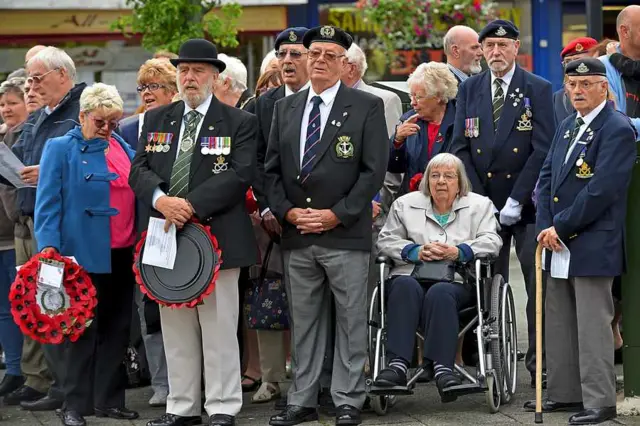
x=436 y=79
x=53 y=58
x=235 y=71
x=446 y=160
x=267 y=60
x=356 y=56
x=100 y=95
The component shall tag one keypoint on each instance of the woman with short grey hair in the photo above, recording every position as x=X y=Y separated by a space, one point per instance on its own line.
x=427 y=129
x=443 y=222
x=86 y=209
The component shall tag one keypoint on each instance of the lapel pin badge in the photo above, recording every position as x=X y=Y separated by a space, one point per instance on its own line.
x=344 y=114
x=333 y=123
x=173 y=123
x=338 y=124
x=210 y=127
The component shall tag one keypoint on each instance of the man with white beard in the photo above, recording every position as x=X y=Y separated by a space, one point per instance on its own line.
x=463 y=52
x=503 y=129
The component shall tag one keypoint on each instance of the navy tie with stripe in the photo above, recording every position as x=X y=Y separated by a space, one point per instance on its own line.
x=313 y=138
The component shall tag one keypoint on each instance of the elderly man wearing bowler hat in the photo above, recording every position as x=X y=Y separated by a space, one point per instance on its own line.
x=326 y=159
x=581 y=215
x=185 y=182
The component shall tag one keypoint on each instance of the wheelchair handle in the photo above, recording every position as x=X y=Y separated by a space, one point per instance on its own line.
x=384 y=260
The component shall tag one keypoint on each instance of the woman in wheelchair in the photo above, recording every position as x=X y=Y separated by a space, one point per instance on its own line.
x=440 y=224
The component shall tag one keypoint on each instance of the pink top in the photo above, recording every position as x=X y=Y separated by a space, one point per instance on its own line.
x=123 y=232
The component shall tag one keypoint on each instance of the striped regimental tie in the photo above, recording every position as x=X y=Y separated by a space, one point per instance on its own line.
x=498 y=103
x=179 y=184
x=313 y=138
x=574 y=136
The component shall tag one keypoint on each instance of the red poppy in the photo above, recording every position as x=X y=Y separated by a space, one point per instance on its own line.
x=250 y=201
x=414 y=183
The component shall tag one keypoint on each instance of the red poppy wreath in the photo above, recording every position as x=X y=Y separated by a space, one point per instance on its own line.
x=50 y=315
x=210 y=286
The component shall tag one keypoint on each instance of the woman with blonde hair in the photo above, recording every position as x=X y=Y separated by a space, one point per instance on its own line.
x=86 y=209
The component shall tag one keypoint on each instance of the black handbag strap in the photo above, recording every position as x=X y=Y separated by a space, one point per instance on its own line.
x=265 y=261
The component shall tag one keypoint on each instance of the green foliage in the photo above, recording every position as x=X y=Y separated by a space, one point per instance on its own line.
x=166 y=24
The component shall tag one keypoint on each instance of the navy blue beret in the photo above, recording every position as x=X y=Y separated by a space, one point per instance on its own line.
x=499 y=28
x=291 y=35
x=328 y=34
x=586 y=66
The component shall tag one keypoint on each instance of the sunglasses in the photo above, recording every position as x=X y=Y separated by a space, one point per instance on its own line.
x=152 y=87
x=295 y=54
x=37 y=79
x=99 y=123
x=328 y=56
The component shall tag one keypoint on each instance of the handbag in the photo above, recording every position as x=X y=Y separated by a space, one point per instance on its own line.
x=266 y=305
x=436 y=271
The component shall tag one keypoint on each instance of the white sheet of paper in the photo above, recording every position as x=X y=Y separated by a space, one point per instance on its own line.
x=560 y=263
x=10 y=167
x=160 y=247
x=50 y=275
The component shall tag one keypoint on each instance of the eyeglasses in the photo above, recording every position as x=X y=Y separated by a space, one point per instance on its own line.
x=112 y=124
x=417 y=97
x=37 y=79
x=328 y=55
x=152 y=87
x=295 y=54
x=584 y=85
x=449 y=177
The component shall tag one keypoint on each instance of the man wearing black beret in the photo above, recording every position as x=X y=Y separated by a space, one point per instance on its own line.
x=503 y=129
x=581 y=216
x=326 y=159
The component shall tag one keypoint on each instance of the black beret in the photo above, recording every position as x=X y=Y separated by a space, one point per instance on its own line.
x=499 y=28
x=291 y=35
x=328 y=34
x=586 y=66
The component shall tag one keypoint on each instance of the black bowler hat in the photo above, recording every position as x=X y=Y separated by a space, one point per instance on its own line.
x=199 y=50
x=586 y=66
x=328 y=34
x=293 y=35
x=500 y=29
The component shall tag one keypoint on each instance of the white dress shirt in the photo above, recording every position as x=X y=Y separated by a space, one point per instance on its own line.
x=587 y=121
x=328 y=96
x=202 y=109
x=506 y=81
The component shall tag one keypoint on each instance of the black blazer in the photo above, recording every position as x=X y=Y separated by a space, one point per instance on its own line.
x=344 y=185
x=218 y=199
x=265 y=104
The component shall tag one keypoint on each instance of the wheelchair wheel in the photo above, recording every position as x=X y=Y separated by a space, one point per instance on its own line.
x=509 y=338
x=382 y=403
x=375 y=349
x=499 y=359
x=493 y=392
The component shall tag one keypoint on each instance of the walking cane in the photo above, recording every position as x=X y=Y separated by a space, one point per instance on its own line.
x=538 y=415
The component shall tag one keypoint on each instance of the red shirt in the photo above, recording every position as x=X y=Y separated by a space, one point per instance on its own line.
x=121 y=198
x=432 y=134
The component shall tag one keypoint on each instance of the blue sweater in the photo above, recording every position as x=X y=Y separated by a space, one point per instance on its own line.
x=72 y=204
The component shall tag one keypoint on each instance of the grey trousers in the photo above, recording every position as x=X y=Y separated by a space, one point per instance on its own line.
x=309 y=270
x=578 y=319
x=154 y=349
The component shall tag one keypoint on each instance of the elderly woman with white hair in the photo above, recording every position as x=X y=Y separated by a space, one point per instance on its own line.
x=86 y=209
x=425 y=130
x=232 y=82
x=442 y=222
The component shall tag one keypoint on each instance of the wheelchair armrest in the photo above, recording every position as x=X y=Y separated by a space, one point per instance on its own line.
x=384 y=259
x=486 y=258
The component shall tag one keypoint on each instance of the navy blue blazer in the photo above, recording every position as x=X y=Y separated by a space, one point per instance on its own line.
x=412 y=157
x=562 y=107
x=128 y=129
x=505 y=163
x=587 y=204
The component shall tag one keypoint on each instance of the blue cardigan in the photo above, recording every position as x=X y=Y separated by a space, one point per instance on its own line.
x=72 y=202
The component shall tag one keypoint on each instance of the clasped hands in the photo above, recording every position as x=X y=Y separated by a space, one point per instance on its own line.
x=312 y=221
x=549 y=239
x=437 y=251
x=176 y=211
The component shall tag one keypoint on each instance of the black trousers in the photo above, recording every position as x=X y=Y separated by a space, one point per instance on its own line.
x=410 y=306
x=95 y=376
x=524 y=236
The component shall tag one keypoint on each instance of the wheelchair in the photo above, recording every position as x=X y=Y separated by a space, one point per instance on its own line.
x=492 y=320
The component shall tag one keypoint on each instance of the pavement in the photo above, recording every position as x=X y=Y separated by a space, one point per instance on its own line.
x=421 y=408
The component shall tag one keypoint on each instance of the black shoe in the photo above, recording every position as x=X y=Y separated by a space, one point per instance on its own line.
x=293 y=415
x=347 y=415
x=281 y=403
x=390 y=377
x=549 y=406
x=23 y=393
x=10 y=383
x=544 y=381
x=325 y=402
x=593 y=416
x=46 y=403
x=222 y=420
x=116 y=413
x=71 y=418
x=445 y=381
x=173 y=420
